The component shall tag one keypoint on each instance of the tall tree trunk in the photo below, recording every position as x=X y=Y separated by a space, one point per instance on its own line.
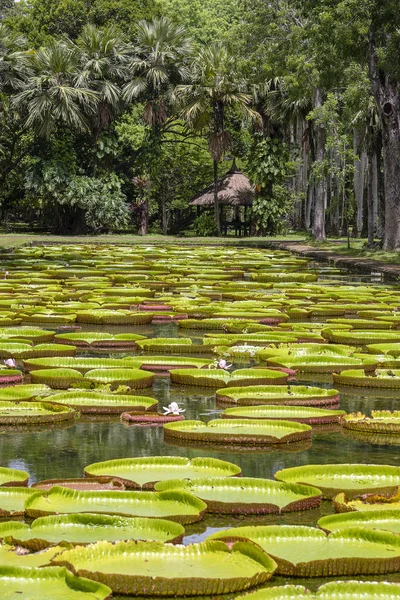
x=387 y=97
x=144 y=217
x=370 y=199
x=318 y=227
x=216 y=202
x=359 y=172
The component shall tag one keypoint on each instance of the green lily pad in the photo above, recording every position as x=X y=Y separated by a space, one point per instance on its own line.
x=322 y=364
x=57 y=378
x=83 y=529
x=368 y=502
x=143 y=472
x=308 y=552
x=29 y=413
x=56 y=583
x=298 y=395
x=386 y=520
x=154 y=569
x=11 y=556
x=351 y=478
x=133 y=378
x=247 y=495
x=220 y=377
x=24 y=392
x=389 y=379
x=176 y=506
x=390 y=348
x=83 y=365
x=300 y=414
x=380 y=421
x=89 y=401
x=238 y=431
x=12 y=500
x=13 y=477
x=343 y=590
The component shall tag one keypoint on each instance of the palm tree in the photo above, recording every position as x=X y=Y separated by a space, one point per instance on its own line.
x=52 y=93
x=215 y=88
x=12 y=59
x=103 y=57
x=159 y=62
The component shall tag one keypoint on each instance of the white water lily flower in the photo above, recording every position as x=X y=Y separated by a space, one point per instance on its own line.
x=173 y=409
x=10 y=363
x=222 y=364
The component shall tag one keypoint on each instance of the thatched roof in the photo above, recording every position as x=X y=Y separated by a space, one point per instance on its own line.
x=234 y=189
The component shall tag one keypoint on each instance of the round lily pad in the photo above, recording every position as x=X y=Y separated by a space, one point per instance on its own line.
x=176 y=506
x=308 y=552
x=83 y=529
x=389 y=379
x=238 y=431
x=278 y=394
x=133 y=378
x=92 y=402
x=28 y=413
x=351 y=478
x=300 y=414
x=219 y=377
x=247 y=495
x=386 y=520
x=56 y=583
x=143 y=472
x=155 y=569
x=345 y=590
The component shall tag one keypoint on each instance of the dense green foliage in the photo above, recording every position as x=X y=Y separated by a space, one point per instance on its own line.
x=114 y=113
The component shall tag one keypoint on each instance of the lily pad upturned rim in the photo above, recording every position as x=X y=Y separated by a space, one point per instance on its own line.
x=146 y=463
x=296 y=431
x=299 y=414
x=181 y=497
x=279 y=394
x=35 y=536
x=185 y=584
x=345 y=590
x=328 y=567
x=119 y=402
x=219 y=377
x=369 y=519
x=96 y=590
x=380 y=421
x=13 y=477
x=309 y=497
x=350 y=471
x=45 y=412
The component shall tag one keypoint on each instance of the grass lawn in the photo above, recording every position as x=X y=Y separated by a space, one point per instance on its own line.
x=357 y=249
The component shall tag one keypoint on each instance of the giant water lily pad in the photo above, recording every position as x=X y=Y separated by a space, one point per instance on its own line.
x=98 y=339
x=299 y=395
x=300 y=414
x=389 y=379
x=12 y=500
x=219 y=377
x=247 y=495
x=13 y=556
x=380 y=421
x=351 y=478
x=89 y=401
x=387 y=520
x=133 y=378
x=322 y=364
x=143 y=472
x=238 y=431
x=343 y=590
x=368 y=502
x=85 y=529
x=177 y=506
x=308 y=552
x=154 y=569
x=28 y=413
x=83 y=365
x=13 y=477
x=57 y=378
x=56 y=583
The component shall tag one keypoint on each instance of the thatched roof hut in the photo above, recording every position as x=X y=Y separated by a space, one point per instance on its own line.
x=234 y=189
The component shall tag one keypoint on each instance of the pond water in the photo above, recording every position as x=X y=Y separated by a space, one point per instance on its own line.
x=65 y=451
